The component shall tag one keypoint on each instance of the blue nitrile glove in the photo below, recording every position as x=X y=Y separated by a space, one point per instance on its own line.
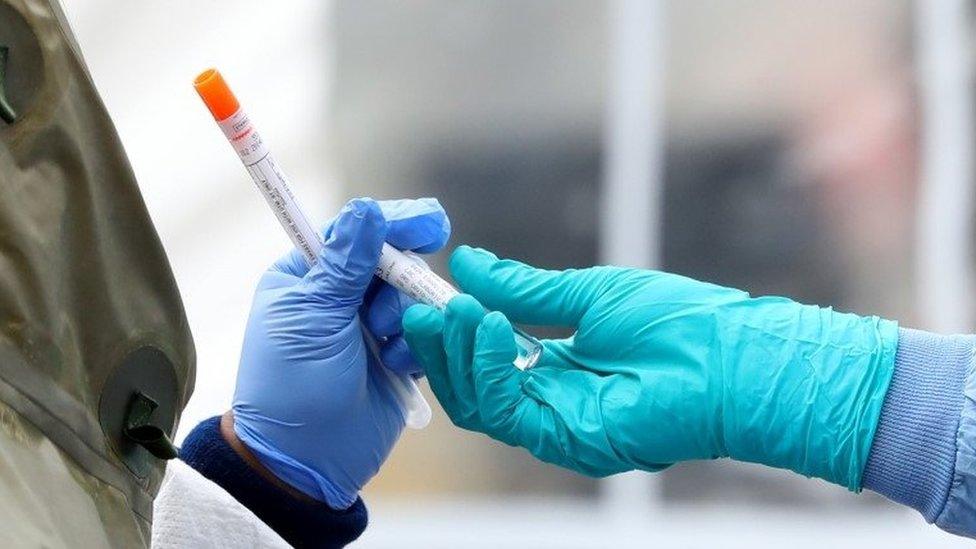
x=661 y=369
x=311 y=402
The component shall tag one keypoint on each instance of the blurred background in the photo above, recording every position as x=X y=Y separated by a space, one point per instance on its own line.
x=819 y=150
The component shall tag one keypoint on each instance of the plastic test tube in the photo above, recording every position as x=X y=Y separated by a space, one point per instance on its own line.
x=406 y=272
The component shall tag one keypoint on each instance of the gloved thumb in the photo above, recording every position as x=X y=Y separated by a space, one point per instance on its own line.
x=346 y=264
x=498 y=384
x=522 y=292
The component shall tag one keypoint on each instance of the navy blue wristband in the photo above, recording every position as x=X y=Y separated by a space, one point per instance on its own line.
x=300 y=522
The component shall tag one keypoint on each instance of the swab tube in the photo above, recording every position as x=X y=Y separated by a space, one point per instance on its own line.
x=273 y=184
x=404 y=271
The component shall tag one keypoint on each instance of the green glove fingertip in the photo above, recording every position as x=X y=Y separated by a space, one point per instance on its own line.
x=495 y=336
x=469 y=265
x=464 y=306
x=423 y=320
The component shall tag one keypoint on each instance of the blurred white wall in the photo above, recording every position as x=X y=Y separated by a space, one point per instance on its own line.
x=214 y=225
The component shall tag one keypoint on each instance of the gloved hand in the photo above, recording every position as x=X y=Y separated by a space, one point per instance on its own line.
x=661 y=369
x=311 y=401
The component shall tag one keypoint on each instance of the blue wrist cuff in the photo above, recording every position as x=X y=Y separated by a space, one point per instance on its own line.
x=913 y=454
x=301 y=523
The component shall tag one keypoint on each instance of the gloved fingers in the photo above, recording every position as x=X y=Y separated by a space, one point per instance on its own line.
x=524 y=293
x=423 y=329
x=349 y=257
x=419 y=225
x=497 y=382
x=384 y=310
x=395 y=355
x=461 y=319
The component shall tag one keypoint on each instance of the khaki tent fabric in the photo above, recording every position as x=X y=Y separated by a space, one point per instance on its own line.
x=46 y=500
x=84 y=287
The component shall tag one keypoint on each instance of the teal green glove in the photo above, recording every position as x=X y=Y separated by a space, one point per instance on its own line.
x=661 y=369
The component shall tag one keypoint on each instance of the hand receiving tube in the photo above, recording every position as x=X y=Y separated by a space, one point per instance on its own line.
x=661 y=369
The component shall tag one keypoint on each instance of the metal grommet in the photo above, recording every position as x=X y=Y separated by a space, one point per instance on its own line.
x=138 y=407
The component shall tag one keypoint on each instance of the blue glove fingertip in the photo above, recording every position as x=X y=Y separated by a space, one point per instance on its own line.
x=366 y=209
x=384 y=310
x=359 y=218
x=396 y=356
x=420 y=225
x=348 y=259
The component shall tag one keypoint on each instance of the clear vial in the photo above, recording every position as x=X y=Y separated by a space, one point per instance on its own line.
x=529 y=350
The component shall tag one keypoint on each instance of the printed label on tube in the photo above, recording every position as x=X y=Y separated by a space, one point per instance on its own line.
x=271 y=182
x=411 y=275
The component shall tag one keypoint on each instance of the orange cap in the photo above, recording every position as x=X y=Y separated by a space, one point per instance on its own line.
x=216 y=94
